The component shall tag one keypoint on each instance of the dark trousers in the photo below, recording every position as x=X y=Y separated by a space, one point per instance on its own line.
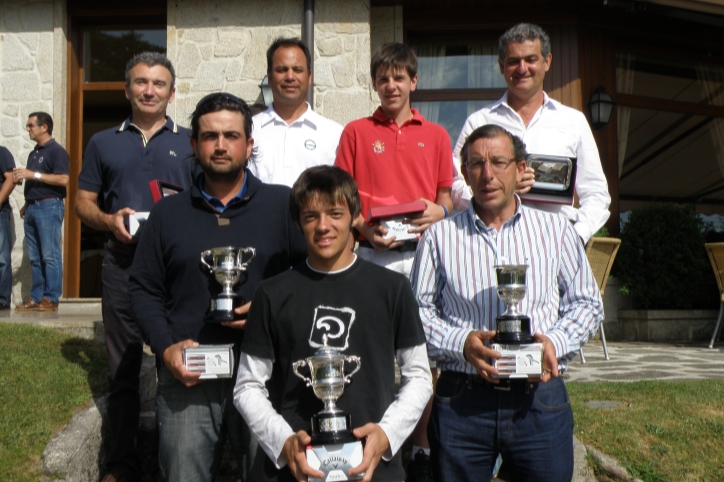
x=125 y=350
x=472 y=422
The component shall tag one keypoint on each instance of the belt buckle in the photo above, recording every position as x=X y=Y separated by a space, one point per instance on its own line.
x=503 y=386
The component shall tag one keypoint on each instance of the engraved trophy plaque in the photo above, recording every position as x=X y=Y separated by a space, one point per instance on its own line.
x=521 y=356
x=226 y=264
x=334 y=449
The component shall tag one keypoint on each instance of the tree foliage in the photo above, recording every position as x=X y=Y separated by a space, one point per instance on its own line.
x=662 y=260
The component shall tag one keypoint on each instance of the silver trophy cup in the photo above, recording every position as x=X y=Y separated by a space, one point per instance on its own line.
x=334 y=449
x=513 y=326
x=226 y=264
x=521 y=355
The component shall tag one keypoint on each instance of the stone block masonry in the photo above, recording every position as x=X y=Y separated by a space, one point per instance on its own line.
x=32 y=78
x=222 y=45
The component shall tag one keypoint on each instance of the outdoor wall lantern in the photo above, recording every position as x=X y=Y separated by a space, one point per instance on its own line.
x=266 y=91
x=601 y=105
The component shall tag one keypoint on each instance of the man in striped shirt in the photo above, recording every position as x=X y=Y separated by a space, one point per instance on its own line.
x=476 y=417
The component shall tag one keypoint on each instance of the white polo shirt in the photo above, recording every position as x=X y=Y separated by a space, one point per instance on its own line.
x=554 y=130
x=283 y=151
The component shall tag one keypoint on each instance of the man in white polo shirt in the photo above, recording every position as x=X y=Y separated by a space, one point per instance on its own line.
x=289 y=136
x=545 y=125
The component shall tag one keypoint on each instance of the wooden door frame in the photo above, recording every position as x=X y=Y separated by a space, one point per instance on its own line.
x=80 y=15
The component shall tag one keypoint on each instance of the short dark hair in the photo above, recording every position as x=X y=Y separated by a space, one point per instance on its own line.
x=287 y=43
x=520 y=33
x=151 y=59
x=395 y=55
x=216 y=102
x=43 y=119
x=491 y=131
x=330 y=185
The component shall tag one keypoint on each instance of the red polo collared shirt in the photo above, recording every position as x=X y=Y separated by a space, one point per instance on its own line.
x=395 y=164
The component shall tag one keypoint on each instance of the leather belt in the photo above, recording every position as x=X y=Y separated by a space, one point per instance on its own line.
x=506 y=384
x=404 y=247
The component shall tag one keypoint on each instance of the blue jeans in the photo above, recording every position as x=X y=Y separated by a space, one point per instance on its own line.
x=43 y=223
x=193 y=424
x=6 y=268
x=471 y=423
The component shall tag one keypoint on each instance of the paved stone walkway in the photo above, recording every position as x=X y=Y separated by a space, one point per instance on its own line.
x=632 y=361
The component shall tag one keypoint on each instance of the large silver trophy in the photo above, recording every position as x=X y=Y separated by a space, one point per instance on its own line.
x=334 y=449
x=226 y=264
x=521 y=356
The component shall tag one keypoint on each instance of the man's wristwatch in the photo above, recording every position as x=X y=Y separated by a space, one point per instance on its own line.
x=37 y=176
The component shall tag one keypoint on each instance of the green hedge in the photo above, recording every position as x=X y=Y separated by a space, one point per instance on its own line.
x=662 y=261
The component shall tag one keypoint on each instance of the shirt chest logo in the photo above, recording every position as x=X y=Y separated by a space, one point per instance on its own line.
x=378 y=147
x=40 y=159
x=310 y=144
x=335 y=323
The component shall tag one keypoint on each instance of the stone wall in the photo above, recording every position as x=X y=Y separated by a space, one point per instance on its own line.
x=222 y=45
x=32 y=78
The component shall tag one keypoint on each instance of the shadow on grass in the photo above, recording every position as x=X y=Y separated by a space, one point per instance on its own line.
x=91 y=357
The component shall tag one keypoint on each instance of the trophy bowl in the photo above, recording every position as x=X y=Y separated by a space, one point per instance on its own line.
x=512 y=326
x=327 y=379
x=227 y=265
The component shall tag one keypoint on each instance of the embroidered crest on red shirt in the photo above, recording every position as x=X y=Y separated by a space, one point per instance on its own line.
x=378 y=147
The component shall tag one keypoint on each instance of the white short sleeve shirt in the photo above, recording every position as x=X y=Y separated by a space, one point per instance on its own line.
x=554 y=130
x=283 y=151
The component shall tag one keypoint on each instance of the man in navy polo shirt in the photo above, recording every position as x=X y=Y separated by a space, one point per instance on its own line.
x=7 y=164
x=47 y=177
x=118 y=165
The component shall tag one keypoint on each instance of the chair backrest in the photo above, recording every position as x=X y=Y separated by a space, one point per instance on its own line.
x=716 y=256
x=601 y=252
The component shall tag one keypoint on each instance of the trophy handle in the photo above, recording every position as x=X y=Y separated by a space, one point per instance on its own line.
x=204 y=254
x=352 y=358
x=242 y=252
x=295 y=368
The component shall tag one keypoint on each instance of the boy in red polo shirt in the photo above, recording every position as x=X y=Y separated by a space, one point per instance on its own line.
x=396 y=156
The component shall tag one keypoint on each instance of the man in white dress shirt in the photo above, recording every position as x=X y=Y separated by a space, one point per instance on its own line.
x=289 y=136
x=545 y=125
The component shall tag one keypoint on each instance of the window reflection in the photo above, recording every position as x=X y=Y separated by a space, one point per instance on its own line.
x=458 y=67
x=450 y=114
x=107 y=51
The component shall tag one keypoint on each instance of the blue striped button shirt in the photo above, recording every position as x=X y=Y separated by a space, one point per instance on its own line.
x=454 y=280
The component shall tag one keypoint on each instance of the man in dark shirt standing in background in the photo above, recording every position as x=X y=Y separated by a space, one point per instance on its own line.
x=47 y=177
x=7 y=164
x=118 y=165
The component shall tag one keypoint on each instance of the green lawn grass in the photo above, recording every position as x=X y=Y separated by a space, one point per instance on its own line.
x=45 y=378
x=661 y=431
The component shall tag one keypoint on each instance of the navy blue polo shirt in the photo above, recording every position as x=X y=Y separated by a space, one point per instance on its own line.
x=7 y=163
x=50 y=158
x=218 y=205
x=120 y=163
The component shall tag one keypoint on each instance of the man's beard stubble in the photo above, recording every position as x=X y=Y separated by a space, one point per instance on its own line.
x=228 y=173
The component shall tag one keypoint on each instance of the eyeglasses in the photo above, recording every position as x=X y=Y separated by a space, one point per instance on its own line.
x=28 y=126
x=222 y=95
x=498 y=164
